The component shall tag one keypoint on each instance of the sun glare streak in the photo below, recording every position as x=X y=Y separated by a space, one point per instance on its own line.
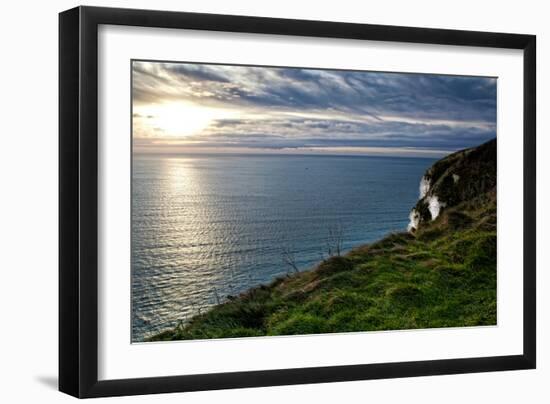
x=181 y=119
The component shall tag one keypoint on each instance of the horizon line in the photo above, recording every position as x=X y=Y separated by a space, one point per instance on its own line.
x=342 y=151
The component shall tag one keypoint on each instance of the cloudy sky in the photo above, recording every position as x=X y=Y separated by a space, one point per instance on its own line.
x=186 y=108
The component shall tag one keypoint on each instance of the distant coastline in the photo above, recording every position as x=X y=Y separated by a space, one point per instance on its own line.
x=382 y=152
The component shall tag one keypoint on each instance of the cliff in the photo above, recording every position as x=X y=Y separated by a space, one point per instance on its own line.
x=441 y=274
x=456 y=178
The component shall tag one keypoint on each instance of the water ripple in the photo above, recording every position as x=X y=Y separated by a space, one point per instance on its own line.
x=205 y=227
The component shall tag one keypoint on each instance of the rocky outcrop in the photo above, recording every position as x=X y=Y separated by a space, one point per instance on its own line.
x=457 y=178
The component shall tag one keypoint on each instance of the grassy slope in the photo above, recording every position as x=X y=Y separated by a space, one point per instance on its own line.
x=443 y=276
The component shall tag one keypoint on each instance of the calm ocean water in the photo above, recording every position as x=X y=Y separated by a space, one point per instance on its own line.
x=204 y=227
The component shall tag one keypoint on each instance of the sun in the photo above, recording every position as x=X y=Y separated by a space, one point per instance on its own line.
x=182 y=119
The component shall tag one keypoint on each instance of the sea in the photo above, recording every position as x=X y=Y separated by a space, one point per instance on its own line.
x=205 y=227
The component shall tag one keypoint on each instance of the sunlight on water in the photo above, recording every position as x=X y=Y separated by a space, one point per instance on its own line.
x=205 y=227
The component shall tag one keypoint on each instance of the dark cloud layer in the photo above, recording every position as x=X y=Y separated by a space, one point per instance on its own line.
x=289 y=107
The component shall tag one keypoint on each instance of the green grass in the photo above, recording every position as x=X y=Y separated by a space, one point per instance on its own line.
x=442 y=276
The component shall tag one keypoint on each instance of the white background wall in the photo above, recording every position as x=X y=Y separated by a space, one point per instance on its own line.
x=28 y=199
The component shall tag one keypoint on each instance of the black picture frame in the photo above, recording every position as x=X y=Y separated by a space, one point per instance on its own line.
x=78 y=201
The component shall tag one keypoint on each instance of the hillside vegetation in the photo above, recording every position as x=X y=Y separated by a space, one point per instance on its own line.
x=441 y=275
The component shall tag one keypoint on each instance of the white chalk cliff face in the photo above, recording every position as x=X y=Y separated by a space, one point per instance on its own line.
x=414 y=220
x=424 y=187
x=414 y=216
x=432 y=201
x=434 y=206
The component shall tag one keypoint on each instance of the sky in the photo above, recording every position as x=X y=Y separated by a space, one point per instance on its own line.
x=202 y=108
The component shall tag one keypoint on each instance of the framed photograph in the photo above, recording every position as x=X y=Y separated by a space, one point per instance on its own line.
x=251 y=201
